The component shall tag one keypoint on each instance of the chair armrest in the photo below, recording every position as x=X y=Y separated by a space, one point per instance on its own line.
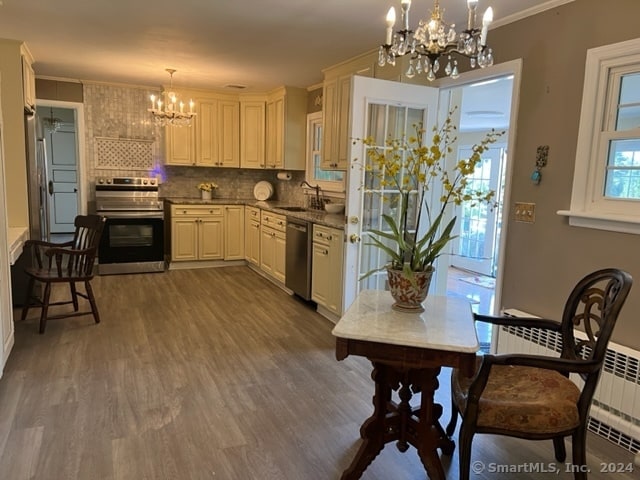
x=527 y=322
x=58 y=251
x=562 y=365
x=42 y=243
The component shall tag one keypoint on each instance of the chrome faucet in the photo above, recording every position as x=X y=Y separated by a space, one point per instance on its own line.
x=318 y=203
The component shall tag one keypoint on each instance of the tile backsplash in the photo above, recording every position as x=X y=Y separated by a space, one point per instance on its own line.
x=121 y=139
x=233 y=183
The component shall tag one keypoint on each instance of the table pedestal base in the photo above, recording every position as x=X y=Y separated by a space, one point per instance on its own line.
x=402 y=423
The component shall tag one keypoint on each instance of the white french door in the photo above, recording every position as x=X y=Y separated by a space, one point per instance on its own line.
x=380 y=109
x=479 y=225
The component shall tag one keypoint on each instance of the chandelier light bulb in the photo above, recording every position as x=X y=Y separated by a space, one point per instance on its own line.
x=471 y=5
x=405 y=5
x=487 y=18
x=391 y=21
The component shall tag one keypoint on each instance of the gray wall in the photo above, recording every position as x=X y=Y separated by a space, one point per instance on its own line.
x=545 y=259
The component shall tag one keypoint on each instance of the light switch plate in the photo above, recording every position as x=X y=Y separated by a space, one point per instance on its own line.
x=525 y=212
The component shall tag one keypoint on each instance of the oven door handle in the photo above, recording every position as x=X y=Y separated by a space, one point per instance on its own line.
x=114 y=214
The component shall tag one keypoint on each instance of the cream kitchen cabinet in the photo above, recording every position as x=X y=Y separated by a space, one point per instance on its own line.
x=180 y=145
x=234 y=232
x=213 y=139
x=28 y=79
x=197 y=232
x=273 y=242
x=217 y=136
x=336 y=123
x=252 y=235
x=326 y=274
x=252 y=133
x=286 y=112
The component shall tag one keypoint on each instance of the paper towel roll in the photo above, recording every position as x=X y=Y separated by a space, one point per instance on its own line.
x=284 y=176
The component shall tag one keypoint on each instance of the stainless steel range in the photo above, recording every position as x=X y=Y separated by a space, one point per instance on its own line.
x=133 y=238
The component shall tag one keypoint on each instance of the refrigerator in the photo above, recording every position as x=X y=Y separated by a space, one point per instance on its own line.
x=37 y=186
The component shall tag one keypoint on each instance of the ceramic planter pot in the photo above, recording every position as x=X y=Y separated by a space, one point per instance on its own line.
x=407 y=295
x=206 y=195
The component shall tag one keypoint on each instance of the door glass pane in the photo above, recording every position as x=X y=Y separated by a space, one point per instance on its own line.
x=383 y=197
x=376 y=127
x=397 y=122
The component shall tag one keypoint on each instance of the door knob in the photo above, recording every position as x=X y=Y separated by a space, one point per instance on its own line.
x=354 y=238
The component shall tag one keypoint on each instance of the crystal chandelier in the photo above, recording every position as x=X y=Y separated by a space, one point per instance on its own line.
x=168 y=110
x=52 y=123
x=434 y=39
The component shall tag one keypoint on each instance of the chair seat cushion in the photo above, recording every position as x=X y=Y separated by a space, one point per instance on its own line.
x=522 y=399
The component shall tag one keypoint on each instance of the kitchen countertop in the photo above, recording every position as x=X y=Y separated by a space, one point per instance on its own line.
x=313 y=216
x=16 y=238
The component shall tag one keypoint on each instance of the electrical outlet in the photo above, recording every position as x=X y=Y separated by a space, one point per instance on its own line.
x=525 y=212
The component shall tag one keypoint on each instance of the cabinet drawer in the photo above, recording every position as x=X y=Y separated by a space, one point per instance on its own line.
x=273 y=220
x=253 y=213
x=190 y=210
x=322 y=234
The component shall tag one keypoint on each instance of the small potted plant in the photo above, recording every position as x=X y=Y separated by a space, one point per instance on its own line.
x=206 y=189
x=411 y=167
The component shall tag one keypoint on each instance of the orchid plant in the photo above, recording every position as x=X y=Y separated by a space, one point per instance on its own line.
x=411 y=167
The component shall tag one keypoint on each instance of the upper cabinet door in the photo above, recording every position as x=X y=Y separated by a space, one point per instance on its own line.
x=252 y=134
x=28 y=85
x=229 y=133
x=207 y=133
x=180 y=145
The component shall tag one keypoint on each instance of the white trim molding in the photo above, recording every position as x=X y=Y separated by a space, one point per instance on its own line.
x=589 y=206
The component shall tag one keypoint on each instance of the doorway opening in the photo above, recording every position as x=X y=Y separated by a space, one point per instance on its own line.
x=473 y=263
x=63 y=134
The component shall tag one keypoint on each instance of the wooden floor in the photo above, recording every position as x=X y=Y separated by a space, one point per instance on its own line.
x=206 y=374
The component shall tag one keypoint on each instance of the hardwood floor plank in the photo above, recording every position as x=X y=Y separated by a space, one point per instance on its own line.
x=21 y=453
x=205 y=374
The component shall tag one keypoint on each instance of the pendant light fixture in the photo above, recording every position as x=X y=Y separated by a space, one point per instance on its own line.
x=168 y=110
x=435 y=42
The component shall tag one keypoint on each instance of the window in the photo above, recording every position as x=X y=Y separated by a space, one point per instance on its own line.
x=606 y=184
x=329 y=180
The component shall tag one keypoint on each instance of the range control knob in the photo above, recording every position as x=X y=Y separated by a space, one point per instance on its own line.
x=109 y=181
x=101 y=181
x=152 y=181
x=144 y=182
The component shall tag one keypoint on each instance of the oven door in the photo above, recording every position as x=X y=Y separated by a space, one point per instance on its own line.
x=131 y=244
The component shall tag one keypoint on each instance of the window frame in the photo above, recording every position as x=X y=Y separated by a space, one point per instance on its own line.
x=590 y=208
x=326 y=186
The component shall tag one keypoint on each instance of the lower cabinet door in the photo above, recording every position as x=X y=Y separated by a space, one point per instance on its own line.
x=280 y=254
x=210 y=238
x=184 y=239
x=267 y=250
x=320 y=274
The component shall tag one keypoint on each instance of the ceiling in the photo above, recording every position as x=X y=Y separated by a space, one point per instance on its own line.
x=213 y=43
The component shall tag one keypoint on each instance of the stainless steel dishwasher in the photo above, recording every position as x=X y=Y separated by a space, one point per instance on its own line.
x=298 y=259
